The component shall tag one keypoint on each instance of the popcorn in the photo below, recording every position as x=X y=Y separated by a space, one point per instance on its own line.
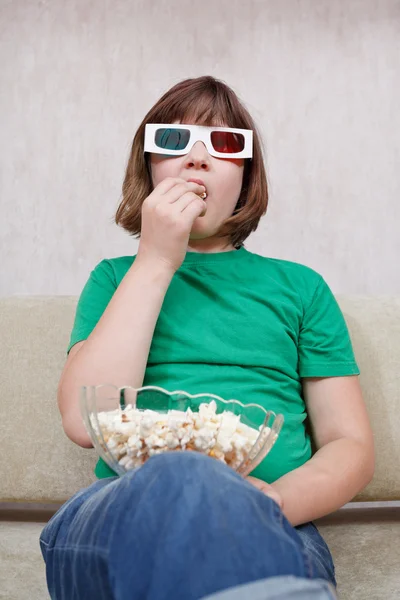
x=171 y=440
x=134 y=435
x=154 y=441
x=204 y=439
x=134 y=442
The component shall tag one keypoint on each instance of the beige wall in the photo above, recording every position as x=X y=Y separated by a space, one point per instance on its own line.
x=321 y=78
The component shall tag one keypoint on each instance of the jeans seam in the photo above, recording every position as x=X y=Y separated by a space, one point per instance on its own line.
x=79 y=547
x=308 y=563
x=306 y=559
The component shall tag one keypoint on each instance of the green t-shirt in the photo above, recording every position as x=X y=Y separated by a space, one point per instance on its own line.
x=238 y=325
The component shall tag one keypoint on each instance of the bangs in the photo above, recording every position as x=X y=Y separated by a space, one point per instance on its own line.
x=206 y=104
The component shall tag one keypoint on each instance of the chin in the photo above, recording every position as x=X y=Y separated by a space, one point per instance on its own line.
x=201 y=230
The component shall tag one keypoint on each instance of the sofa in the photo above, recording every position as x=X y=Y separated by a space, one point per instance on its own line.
x=43 y=468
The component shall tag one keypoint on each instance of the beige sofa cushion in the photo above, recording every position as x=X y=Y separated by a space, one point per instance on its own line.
x=43 y=465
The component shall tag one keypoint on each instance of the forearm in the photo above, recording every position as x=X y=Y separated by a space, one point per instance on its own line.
x=117 y=349
x=330 y=479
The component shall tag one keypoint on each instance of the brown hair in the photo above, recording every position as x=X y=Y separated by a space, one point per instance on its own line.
x=204 y=101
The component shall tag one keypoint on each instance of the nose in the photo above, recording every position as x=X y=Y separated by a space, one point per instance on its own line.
x=198 y=157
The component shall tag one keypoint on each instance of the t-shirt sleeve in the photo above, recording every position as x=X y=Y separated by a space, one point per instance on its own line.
x=93 y=301
x=325 y=348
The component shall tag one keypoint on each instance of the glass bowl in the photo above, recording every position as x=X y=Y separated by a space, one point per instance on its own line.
x=128 y=425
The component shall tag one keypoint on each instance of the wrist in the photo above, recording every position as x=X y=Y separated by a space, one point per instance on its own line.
x=157 y=268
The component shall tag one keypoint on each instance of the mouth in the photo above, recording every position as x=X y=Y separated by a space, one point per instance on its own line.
x=203 y=196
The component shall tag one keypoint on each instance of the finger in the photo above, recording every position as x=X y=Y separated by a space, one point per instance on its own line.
x=196 y=208
x=180 y=189
x=184 y=201
x=258 y=483
x=275 y=496
x=177 y=184
x=168 y=183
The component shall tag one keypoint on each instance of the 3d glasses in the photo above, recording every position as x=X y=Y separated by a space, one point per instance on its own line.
x=177 y=139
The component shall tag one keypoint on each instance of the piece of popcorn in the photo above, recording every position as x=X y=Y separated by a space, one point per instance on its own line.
x=172 y=440
x=182 y=432
x=155 y=451
x=146 y=426
x=154 y=441
x=229 y=423
x=204 y=439
x=131 y=464
x=238 y=441
x=186 y=438
x=124 y=460
x=189 y=413
x=112 y=443
x=216 y=453
x=177 y=419
x=120 y=450
x=134 y=442
x=224 y=443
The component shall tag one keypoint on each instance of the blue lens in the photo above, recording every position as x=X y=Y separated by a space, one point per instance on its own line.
x=172 y=139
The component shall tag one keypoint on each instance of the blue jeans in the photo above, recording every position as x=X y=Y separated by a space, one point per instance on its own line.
x=181 y=527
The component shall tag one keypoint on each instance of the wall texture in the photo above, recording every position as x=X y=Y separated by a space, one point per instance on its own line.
x=322 y=80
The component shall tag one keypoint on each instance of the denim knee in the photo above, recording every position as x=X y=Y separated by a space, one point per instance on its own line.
x=63 y=517
x=189 y=466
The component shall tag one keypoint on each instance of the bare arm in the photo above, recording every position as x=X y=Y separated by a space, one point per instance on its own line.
x=344 y=462
x=115 y=352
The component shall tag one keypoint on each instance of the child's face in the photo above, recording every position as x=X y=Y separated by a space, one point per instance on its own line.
x=222 y=177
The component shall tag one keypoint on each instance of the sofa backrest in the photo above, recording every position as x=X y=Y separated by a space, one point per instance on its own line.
x=42 y=465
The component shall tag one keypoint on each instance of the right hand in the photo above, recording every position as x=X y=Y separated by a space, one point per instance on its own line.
x=168 y=215
x=267 y=489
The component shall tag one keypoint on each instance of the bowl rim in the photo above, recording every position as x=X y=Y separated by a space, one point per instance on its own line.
x=161 y=389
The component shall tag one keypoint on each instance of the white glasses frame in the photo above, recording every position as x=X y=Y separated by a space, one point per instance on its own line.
x=198 y=133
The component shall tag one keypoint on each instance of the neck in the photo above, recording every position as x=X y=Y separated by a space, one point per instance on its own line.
x=209 y=245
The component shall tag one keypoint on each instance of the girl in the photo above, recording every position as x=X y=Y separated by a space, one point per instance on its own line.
x=195 y=310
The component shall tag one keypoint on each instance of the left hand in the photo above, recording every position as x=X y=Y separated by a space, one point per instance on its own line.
x=267 y=489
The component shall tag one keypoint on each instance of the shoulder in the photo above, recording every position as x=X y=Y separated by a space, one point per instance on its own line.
x=288 y=273
x=293 y=268
x=112 y=269
x=292 y=282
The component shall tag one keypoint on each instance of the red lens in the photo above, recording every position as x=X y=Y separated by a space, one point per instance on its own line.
x=226 y=141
